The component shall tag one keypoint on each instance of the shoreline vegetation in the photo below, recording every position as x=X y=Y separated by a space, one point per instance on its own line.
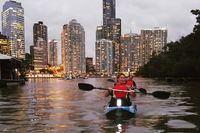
x=179 y=61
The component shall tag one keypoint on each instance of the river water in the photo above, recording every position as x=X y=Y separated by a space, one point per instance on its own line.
x=58 y=106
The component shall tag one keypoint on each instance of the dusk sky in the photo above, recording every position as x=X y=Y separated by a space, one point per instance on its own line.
x=174 y=15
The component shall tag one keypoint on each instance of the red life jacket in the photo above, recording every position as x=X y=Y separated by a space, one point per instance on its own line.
x=120 y=94
x=130 y=83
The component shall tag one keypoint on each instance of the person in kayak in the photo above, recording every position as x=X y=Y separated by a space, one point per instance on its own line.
x=130 y=82
x=120 y=85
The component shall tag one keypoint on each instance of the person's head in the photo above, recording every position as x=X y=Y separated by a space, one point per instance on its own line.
x=131 y=77
x=121 y=78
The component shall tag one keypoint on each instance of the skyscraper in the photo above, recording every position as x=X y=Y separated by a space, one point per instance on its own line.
x=104 y=57
x=73 y=48
x=130 y=44
x=37 y=52
x=114 y=34
x=108 y=10
x=13 y=27
x=111 y=30
x=40 y=32
x=152 y=42
x=53 y=57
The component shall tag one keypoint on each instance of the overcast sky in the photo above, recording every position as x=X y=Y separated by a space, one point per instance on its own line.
x=135 y=14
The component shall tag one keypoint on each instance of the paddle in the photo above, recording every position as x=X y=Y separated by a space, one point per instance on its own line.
x=142 y=90
x=157 y=94
x=89 y=87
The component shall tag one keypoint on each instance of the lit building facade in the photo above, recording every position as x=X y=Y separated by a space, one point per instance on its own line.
x=13 y=27
x=114 y=34
x=152 y=42
x=38 y=55
x=111 y=30
x=40 y=32
x=53 y=54
x=5 y=45
x=89 y=65
x=108 y=10
x=104 y=57
x=100 y=32
x=73 y=48
x=130 y=47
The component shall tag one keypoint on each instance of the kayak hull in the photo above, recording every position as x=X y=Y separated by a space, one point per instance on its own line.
x=124 y=112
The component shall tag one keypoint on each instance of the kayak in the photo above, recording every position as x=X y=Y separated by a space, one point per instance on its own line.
x=117 y=111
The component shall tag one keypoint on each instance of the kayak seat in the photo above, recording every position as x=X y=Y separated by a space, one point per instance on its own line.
x=125 y=102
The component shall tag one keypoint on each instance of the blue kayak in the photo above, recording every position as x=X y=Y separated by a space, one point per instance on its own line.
x=120 y=111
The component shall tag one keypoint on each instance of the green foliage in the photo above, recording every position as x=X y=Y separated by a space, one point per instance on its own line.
x=179 y=59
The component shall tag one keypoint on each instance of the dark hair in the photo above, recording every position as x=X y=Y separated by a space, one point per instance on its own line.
x=120 y=75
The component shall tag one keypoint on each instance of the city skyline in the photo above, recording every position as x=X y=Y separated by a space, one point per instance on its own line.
x=178 y=20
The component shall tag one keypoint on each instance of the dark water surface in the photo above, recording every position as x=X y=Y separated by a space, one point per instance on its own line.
x=58 y=106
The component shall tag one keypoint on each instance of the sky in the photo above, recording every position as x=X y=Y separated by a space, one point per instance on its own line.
x=174 y=15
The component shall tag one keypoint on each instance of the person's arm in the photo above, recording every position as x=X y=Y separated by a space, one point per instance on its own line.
x=107 y=92
x=134 y=85
x=132 y=93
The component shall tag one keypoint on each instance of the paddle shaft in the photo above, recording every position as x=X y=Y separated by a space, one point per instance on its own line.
x=112 y=89
x=157 y=94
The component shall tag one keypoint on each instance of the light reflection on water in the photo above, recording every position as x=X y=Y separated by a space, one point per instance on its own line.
x=53 y=105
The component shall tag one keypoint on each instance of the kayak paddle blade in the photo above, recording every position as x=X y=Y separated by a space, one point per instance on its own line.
x=161 y=94
x=111 y=80
x=142 y=90
x=85 y=86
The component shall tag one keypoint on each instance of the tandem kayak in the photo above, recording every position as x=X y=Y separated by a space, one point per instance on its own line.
x=118 y=111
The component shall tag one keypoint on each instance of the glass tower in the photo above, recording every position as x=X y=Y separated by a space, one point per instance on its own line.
x=13 y=27
x=108 y=10
x=40 y=32
x=73 y=48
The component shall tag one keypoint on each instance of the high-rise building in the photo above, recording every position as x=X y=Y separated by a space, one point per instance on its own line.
x=53 y=57
x=40 y=32
x=89 y=65
x=114 y=34
x=104 y=57
x=38 y=55
x=13 y=27
x=111 y=30
x=100 y=32
x=73 y=48
x=5 y=46
x=130 y=44
x=108 y=10
x=152 y=42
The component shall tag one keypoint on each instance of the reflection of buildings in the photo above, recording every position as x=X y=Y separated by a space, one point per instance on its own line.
x=73 y=48
x=152 y=42
x=130 y=44
x=5 y=46
x=13 y=27
x=104 y=56
x=53 y=57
